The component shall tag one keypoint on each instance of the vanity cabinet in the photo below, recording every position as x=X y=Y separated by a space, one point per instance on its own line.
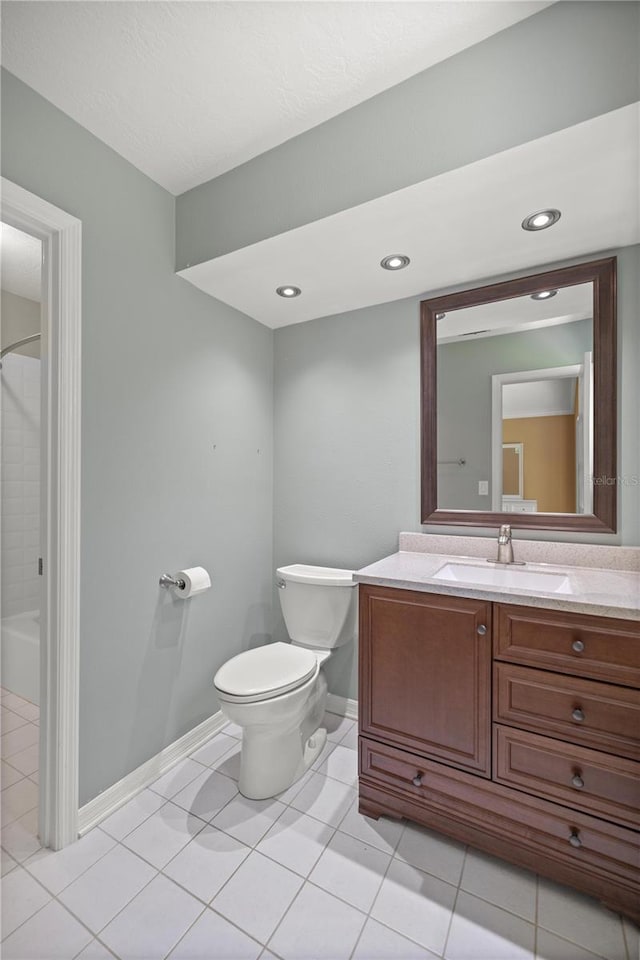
x=514 y=729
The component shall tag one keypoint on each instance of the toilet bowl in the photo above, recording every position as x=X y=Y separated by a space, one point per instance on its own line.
x=278 y=693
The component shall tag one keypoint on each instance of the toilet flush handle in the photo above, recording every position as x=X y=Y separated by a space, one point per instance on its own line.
x=281 y=584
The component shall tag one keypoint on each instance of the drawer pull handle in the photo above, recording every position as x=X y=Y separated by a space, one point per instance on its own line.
x=574 y=839
x=578 y=782
x=578 y=646
x=482 y=630
x=417 y=780
x=578 y=715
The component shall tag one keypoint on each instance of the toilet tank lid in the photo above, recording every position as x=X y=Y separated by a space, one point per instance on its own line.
x=271 y=668
x=322 y=576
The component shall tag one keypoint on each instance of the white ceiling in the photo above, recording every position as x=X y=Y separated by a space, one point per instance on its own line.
x=540 y=398
x=458 y=227
x=20 y=258
x=187 y=90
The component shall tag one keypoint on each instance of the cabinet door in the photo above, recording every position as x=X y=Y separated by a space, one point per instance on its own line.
x=425 y=669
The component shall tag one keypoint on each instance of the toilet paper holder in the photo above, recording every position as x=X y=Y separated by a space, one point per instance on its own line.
x=168 y=581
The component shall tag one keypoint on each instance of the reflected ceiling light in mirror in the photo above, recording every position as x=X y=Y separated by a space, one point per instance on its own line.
x=288 y=291
x=395 y=261
x=541 y=220
x=544 y=295
x=440 y=316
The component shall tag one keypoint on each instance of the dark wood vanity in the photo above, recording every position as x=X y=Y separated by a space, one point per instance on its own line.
x=511 y=728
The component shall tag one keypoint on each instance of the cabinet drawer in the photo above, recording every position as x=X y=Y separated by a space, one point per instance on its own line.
x=585 y=712
x=602 y=648
x=471 y=808
x=584 y=779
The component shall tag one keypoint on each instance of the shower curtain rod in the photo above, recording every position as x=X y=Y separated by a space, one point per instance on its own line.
x=19 y=343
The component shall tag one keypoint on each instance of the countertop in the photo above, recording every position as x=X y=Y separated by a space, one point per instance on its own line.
x=607 y=593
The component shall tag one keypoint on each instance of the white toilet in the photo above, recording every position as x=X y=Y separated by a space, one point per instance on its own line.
x=277 y=693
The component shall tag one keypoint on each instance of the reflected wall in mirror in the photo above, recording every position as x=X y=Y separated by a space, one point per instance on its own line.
x=518 y=402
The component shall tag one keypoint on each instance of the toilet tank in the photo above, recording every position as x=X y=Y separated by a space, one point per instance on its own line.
x=319 y=605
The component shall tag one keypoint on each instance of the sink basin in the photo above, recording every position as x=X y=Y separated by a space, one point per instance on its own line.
x=495 y=576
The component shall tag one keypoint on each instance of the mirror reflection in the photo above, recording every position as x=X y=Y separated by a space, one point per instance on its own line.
x=515 y=404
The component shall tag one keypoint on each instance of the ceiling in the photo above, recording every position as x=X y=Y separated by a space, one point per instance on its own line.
x=188 y=90
x=462 y=226
x=20 y=257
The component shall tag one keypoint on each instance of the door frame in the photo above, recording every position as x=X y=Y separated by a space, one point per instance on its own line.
x=61 y=236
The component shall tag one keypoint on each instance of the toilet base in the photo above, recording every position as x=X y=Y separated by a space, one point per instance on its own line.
x=273 y=758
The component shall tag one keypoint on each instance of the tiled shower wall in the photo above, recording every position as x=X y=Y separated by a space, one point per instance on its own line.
x=20 y=483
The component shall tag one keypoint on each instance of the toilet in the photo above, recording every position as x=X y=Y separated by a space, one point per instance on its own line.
x=277 y=693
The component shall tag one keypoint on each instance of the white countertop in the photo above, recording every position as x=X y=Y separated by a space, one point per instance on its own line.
x=608 y=593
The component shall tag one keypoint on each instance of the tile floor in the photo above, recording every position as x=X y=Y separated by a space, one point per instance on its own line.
x=190 y=869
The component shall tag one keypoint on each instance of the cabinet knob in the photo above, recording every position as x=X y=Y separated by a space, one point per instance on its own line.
x=578 y=646
x=577 y=781
x=578 y=715
x=574 y=839
x=417 y=780
x=482 y=629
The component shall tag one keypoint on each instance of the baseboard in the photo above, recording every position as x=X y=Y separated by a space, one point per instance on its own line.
x=114 y=797
x=342 y=706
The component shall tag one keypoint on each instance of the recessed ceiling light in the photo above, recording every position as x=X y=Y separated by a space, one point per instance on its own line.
x=395 y=261
x=288 y=291
x=544 y=295
x=541 y=220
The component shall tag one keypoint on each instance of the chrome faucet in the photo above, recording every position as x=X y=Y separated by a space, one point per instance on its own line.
x=505 y=546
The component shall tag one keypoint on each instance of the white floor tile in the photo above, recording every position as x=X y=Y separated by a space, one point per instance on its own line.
x=229 y=765
x=341 y=764
x=383 y=833
x=12 y=701
x=177 y=778
x=95 y=951
x=350 y=740
x=500 y=883
x=480 y=931
x=216 y=748
x=351 y=870
x=8 y=863
x=153 y=923
x=551 y=947
x=432 y=852
x=9 y=775
x=20 y=838
x=11 y=721
x=317 y=927
x=21 y=898
x=30 y=711
x=579 y=918
x=132 y=814
x=632 y=937
x=326 y=751
x=380 y=943
x=296 y=841
x=17 y=740
x=207 y=862
x=35 y=777
x=18 y=800
x=325 y=799
x=248 y=820
x=205 y=796
x=233 y=730
x=415 y=904
x=163 y=834
x=108 y=886
x=257 y=896
x=288 y=795
x=212 y=932
x=56 y=869
x=337 y=727
x=52 y=933
x=27 y=761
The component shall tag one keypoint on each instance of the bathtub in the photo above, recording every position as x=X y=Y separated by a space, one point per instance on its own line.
x=20 y=646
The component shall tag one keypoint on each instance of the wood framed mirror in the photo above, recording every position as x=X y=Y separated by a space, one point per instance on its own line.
x=528 y=364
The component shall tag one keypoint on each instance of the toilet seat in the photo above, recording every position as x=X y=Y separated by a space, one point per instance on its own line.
x=265 y=672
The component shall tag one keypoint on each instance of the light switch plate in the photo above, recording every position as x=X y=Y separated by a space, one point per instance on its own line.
x=483 y=488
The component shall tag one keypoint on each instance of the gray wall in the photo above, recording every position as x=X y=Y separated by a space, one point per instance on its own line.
x=347 y=438
x=176 y=451
x=465 y=369
x=568 y=63
x=20 y=318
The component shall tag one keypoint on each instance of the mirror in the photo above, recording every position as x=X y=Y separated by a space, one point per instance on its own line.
x=519 y=402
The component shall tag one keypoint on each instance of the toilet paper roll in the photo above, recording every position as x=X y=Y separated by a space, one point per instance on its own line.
x=196 y=579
